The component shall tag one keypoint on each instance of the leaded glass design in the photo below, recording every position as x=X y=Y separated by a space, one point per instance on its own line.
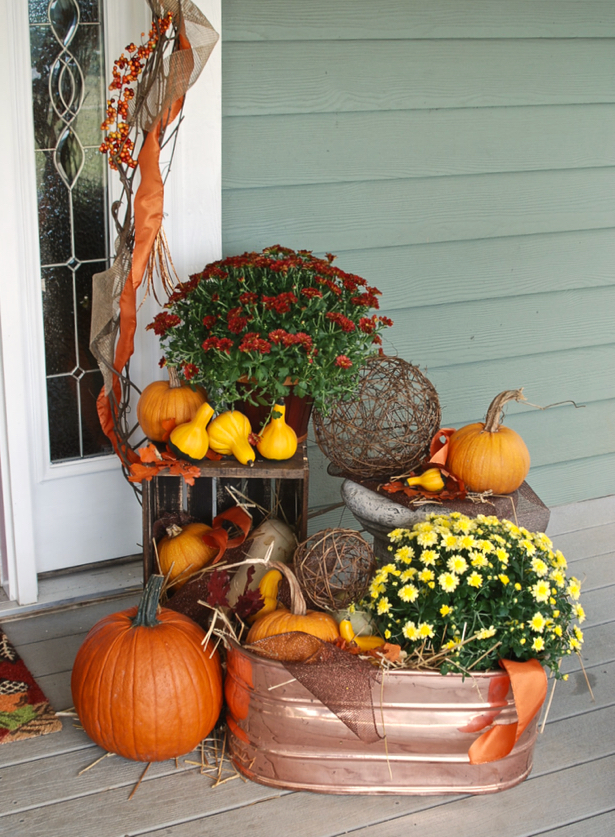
x=69 y=98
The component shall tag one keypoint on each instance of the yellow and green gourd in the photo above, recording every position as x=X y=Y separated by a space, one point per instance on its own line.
x=191 y=440
x=277 y=440
x=229 y=435
x=430 y=480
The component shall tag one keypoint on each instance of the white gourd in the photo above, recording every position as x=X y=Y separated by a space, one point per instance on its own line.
x=271 y=531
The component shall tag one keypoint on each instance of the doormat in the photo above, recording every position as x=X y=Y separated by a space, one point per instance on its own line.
x=25 y=712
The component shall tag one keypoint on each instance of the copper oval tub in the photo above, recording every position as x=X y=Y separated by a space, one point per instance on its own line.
x=279 y=734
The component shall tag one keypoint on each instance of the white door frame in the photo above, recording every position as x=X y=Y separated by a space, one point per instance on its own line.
x=193 y=227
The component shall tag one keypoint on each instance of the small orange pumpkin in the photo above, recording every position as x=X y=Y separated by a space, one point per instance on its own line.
x=487 y=456
x=161 y=401
x=298 y=618
x=143 y=684
x=183 y=552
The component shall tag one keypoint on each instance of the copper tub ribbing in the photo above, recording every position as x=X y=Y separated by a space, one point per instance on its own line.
x=281 y=735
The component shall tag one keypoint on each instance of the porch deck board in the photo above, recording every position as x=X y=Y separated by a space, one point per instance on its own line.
x=569 y=793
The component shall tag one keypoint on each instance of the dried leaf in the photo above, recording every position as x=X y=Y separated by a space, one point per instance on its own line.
x=168 y=425
x=248 y=604
x=218 y=589
x=389 y=651
x=152 y=461
x=150 y=454
x=139 y=472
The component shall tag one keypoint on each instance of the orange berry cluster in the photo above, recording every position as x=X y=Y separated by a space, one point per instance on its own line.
x=126 y=71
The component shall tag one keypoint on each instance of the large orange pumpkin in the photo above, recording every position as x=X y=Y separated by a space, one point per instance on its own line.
x=162 y=401
x=487 y=456
x=298 y=618
x=143 y=685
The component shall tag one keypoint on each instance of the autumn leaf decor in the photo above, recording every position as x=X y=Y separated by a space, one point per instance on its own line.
x=424 y=484
x=248 y=603
x=152 y=461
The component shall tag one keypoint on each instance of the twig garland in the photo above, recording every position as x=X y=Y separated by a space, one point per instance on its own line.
x=143 y=117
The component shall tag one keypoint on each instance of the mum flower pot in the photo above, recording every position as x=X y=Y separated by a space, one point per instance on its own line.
x=282 y=736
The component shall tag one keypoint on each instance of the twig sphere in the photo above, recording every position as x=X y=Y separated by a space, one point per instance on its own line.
x=334 y=568
x=387 y=428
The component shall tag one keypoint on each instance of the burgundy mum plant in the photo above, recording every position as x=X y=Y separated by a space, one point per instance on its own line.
x=249 y=326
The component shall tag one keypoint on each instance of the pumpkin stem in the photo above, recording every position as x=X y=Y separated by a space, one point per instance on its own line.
x=174 y=530
x=148 y=606
x=493 y=419
x=297 y=600
x=174 y=379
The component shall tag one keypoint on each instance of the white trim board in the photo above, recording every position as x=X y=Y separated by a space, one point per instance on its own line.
x=62 y=590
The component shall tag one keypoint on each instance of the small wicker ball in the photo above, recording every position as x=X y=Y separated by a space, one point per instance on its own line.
x=387 y=428
x=334 y=568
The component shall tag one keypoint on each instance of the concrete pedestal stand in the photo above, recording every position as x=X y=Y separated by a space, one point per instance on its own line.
x=379 y=514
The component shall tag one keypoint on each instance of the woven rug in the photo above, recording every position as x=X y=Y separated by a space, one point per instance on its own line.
x=25 y=712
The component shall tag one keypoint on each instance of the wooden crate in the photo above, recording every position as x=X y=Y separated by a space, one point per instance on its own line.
x=280 y=487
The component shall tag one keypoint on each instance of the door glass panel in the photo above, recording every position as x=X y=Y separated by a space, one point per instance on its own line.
x=69 y=99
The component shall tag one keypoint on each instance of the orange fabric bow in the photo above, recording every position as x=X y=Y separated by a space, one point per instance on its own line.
x=218 y=537
x=438 y=450
x=529 y=685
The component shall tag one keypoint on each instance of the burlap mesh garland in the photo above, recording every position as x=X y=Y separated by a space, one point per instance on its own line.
x=341 y=681
x=387 y=428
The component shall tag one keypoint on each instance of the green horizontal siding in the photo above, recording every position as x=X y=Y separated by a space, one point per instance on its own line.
x=465 y=271
x=509 y=327
x=308 y=77
x=459 y=154
x=580 y=479
x=346 y=147
x=578 y=374
x=324 y=20
x=383 y=213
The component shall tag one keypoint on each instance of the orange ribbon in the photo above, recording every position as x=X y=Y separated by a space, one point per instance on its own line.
x=218 y=537
x=529 y=686
x=438 y=450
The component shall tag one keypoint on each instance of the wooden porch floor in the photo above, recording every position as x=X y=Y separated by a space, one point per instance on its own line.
x=570 y=793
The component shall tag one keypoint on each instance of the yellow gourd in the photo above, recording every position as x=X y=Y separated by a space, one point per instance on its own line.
x=298 y=618
x=365 y=643
x=228 y=434
x=277 y=440
x=431 y=480
x=190 y=440
x=268 y=588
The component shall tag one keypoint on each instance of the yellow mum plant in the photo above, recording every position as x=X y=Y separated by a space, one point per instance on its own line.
x=471 y=591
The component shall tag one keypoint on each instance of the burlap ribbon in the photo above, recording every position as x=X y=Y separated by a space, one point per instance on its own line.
x=114 y=307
